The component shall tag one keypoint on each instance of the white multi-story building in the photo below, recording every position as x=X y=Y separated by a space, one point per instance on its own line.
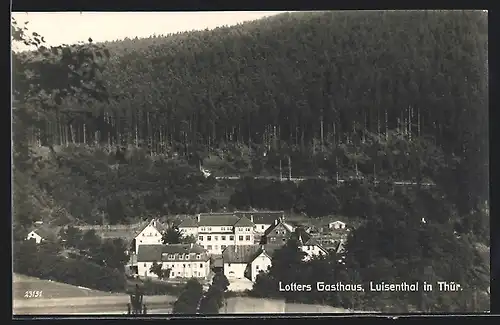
x=216 y=231
x=182 y=260
x=261 y=219
x=151 y=234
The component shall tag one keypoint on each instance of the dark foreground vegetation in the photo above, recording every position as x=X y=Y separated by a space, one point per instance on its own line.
x=117 y=131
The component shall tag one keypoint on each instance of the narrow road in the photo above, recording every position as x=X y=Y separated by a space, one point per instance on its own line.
x=300 y=179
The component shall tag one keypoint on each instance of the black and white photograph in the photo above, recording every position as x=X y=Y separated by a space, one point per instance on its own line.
x=250 y=162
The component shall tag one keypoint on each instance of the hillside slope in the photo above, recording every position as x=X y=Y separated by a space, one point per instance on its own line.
x=300 y=80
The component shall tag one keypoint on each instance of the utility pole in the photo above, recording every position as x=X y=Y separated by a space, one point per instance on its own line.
x=289 y=168
x=281 y=178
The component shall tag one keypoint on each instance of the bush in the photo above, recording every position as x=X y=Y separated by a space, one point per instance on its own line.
x=67 y=270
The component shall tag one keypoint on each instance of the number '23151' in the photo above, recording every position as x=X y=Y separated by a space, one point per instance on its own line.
x=32 y=294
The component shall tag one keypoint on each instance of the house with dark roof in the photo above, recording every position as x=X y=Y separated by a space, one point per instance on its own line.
x=278 y=233
x=182 y=260
x=150 y=234
x=247 y=261
x=308 y=244
x=261 y=219
x=216 y=231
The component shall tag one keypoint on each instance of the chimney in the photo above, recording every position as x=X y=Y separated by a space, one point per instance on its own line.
x=154 y=223
x=198 y=217
x=251 y=217
x=191 y=246
x=276 y=222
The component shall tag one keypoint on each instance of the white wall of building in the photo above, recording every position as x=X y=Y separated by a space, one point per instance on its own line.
x=216 y=239
x=235 y=270
x=149 y=236
x=261 y=227
x=260 y=263
x=189 y=231
x=35 y=236
x=311 y=250
x=182 y=269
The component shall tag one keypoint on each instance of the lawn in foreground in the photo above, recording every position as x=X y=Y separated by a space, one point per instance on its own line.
x=22 y=284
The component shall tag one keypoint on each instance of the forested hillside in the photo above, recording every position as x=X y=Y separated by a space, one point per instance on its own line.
x=298 y=84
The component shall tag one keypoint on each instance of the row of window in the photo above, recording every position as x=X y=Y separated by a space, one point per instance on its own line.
x=273 y=239
x=227 y=228
x=150 y=234
x=216 y=238
x=216 y=247
x=180 y=256
x=183 y=265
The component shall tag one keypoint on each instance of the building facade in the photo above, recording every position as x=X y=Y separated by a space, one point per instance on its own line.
x=247 y=261
x=261 y=219
x=216 y=231
x=182 y=260
x=278 y=233
x=149 y=235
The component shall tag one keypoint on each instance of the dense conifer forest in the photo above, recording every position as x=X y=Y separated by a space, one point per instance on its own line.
x=118 y=131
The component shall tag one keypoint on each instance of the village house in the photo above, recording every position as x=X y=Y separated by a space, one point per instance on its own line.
x=247 y=261
x=261 y=219
x=41 y=234
x=278 y=233
x=309 y=245
x=216 y=231
x=183 y=260
x=151 y=234
x=337 y=225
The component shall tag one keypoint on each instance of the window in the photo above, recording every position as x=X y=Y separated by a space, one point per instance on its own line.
x=262 y=227
x=171 y=256
x=143 y=235
x=240 y=237
x=187 y=256
x=145 y=265
x=140 y=241
x=257 y=267
x=229 y=264
x=202 y=228
x=223 y=228
x=209 y=238
x=209 y=247
x=247 y=238
x=200 y=238
x=216 y=247
x=273 y=239
x=209 y=228
x=284 y=239
x=183 y=265
x=216 y=237
x=247 y=229
x=223 y=247
x=181 y=256
x=222 y=237
x=156 y=234
x=178 y=273
x=198 y=256
x=201 y=265
x=231 y=237
x=189 y=265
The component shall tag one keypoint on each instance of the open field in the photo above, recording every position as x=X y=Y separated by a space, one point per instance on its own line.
x=50 y=289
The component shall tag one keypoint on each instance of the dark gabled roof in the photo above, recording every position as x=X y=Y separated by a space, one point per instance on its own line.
x=154 y=253
x=275 y=224
x=188 y=223
x=159 y=226
x=217 y=219
x=241 y=253
x=244 y=222
x=223 y=219
x=261 y=217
